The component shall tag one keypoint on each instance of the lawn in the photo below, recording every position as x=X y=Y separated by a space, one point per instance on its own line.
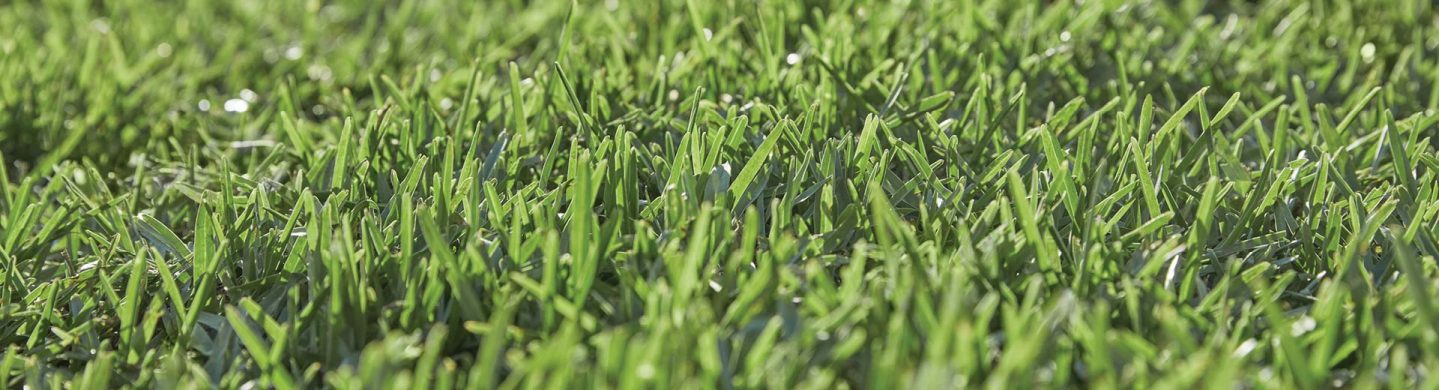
x=719 y=194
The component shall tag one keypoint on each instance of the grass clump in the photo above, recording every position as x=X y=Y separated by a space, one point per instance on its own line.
x=820 y=193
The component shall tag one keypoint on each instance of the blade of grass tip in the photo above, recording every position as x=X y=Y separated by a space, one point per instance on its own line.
x=129 y=310
x=168 y=285
x=995 y=122
x=1202 y=143
x=162 y=237
x=756 y=162
x=933 y=102
x=697 y=153
x=1146 y=120
x=1146 y=182
x=1054 y=159
x=584 y=261
x=1261 y=113
x=1403 y=167
x=574 y=99
x=49 y=296
x=298 y=141
x=340 y=170
x=1203 y=219
x=1029 y=224
x=1361 y=241
x=1354 y=111
x=1173 y=123
x=867 y=138
x=517 y=102
x=896 y=91
x=1224 y=111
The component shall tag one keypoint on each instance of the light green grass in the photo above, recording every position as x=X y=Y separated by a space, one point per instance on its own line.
x=719 y=194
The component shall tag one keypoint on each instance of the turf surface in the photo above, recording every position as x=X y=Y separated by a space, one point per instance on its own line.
x=729 y=194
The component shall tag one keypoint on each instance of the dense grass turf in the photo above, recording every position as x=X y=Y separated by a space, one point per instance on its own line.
x=734 y=193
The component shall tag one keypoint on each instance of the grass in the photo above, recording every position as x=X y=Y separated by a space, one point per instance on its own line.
x=676 y=194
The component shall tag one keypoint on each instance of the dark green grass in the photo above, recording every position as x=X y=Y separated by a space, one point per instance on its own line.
x=727 y=194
